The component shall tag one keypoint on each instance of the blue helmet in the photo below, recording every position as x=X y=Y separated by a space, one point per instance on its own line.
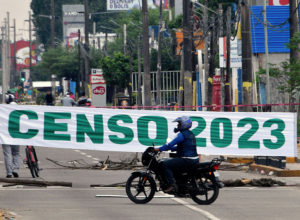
x=184 y=121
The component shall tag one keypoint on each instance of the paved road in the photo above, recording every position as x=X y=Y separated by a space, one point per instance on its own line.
x=80 y=201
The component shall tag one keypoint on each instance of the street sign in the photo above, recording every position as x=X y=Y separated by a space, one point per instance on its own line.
x=97 y=71
x=98 y=88
x=235 y=58
x=97 y=79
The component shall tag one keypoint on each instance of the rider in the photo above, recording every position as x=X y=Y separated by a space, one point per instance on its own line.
x=185 y=145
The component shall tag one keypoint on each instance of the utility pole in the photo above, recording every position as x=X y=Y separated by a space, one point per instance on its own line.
x=87 y=47
x=181 y=90
x=228 y=69
x=294 y=28
x=187 y=54
x=15 y=72
x=125 y=38
x=221 y=34
x=8 y=51
x=139 y=84
x=30 y=46
x=3 y=47
x=212 y=58
x=171 y=6
x=78 y=77
x=206 y=86
x=246 y=56
x=267 y=52
x=294 y=54
x=94 y=34
x=52 y=24
x=147 y=77
x=158 y=75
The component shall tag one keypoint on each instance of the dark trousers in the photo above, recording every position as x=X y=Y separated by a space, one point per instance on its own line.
x=176 y=165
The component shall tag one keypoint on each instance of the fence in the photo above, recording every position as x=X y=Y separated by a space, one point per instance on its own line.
x=169 y=86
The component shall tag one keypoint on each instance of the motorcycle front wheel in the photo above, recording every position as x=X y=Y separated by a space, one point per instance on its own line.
x=207 y=191
x=140 y=188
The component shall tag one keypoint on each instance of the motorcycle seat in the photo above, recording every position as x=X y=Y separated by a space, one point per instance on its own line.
x=202 y=165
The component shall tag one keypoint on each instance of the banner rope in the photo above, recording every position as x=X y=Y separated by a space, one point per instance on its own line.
x=197 y=106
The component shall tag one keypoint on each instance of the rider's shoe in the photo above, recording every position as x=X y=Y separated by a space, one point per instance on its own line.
x=170 y=189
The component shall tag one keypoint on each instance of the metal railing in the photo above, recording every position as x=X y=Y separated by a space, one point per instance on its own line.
x=169 y=86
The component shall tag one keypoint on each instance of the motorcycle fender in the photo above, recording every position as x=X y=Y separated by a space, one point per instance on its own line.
x=143 y=173
x=139 y=172
x=217 y=181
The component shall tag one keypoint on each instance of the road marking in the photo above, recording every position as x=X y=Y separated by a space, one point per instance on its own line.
x=124 y=196
x=203 y=212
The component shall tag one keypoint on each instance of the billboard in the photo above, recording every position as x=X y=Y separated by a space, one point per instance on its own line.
x=73 y=20
x=22 y=54
x=125 y=5
x=279 y=2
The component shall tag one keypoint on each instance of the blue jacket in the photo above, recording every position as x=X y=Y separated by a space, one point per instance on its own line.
x=184 y=144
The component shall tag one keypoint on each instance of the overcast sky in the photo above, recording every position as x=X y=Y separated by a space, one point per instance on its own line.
x=19 y=10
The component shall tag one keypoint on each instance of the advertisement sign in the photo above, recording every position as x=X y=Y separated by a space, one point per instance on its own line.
x=97 y=79
x=125 y=5
x=23 y=55
x=279 y=2
x=98 y=89
x=236 y=133
x=235 y=58
x=73 y=20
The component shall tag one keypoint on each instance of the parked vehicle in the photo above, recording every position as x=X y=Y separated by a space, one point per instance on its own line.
x=201 y=183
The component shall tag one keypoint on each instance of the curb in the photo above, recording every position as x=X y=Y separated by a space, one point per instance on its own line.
x=277 y=171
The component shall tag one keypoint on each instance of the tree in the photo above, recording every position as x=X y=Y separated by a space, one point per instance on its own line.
x=59 y=61
x=116 y=70
x=288 y=73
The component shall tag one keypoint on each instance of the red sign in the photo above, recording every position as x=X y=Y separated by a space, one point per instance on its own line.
x=97 y=79
x=216 y=94
x=99 y=90
x=279 y=2
x=22 y=54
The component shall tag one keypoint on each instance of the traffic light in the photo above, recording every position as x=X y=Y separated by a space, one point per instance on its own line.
x=22 y=76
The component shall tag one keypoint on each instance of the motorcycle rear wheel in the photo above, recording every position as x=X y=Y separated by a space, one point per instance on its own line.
x=208 y=192
x=140 y=188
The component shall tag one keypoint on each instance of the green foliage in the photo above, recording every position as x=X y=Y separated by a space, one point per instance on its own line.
x=40 y=99
x=59 y=61
x=288 y=72
x=169 y=61
x=116 y=70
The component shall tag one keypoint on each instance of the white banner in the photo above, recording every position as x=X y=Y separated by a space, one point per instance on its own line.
x=217 y=133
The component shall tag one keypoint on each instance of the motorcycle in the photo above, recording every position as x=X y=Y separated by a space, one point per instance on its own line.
x=201 y=182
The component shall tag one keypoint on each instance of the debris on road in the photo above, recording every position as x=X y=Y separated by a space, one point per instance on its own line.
x=34 y=182
x=125 y=164
x=264 y=182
